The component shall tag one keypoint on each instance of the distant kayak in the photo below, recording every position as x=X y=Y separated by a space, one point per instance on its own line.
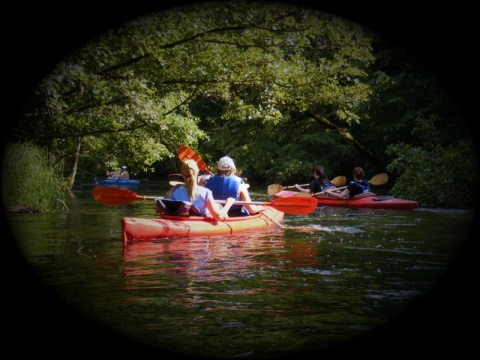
x=368 y=200
x=119 y=182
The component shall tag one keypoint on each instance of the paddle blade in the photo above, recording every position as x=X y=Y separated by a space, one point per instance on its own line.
x=339 y=181
x=294 y=205
x=185 y=153
x=175 y=183
x=175 y=177
x=274 y=188
x=114 y=196
x=379 y=179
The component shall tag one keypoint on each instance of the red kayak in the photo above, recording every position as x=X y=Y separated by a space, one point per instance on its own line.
x=368 y=200
x=167 y=226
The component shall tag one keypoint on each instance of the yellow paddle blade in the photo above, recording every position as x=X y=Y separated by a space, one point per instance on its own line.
x=379 y=179
x=274 y=188
x=339 y=180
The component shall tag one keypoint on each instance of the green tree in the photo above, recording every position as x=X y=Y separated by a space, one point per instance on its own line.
x=127 y=95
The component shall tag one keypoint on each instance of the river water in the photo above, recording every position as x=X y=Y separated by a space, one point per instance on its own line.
x=329 y=282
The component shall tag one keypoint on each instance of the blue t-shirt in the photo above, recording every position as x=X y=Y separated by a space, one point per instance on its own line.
x=224 y=187
x=180 y=192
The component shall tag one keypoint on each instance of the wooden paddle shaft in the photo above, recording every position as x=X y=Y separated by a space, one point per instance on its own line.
x=292 y=186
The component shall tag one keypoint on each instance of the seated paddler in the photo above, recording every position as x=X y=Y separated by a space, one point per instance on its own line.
x=190 y=198
x=226 y=184
x=356 y=187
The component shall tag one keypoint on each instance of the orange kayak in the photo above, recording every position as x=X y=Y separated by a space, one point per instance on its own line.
x=167 y=226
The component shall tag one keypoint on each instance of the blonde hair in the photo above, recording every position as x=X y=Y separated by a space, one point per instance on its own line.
x=189 y=170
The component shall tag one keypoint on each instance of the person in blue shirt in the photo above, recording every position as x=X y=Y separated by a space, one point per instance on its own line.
x=356 y=187
x=197 y=199
x=319 y=183
x=225 y=183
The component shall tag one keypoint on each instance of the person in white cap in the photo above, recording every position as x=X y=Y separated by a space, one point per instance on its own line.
x=124 y=174
x=225 y=184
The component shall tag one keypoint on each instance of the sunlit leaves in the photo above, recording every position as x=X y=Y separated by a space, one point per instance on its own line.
x=259 y=62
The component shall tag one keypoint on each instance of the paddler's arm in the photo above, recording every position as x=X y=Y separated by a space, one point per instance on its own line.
x=339 y=195
x=218 y=212
x=305 y=190
x=168 y=195
x=245 y=196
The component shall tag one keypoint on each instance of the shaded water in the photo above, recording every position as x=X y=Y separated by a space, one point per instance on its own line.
x=325 y=279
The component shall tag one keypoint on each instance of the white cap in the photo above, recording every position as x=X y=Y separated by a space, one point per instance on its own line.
x=226 y=163
x=124 y=167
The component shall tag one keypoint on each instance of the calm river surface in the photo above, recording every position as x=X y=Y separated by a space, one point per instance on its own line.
x=328 y=281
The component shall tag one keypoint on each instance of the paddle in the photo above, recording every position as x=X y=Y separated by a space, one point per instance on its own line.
x=379 y=179
x=176 y=182
x=339 y=180
x=292 y=186
x=185 y=153
x=175 y=177
x=276 y=188
x=290 y=205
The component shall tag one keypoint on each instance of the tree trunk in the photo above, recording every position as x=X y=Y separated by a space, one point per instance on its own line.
x=73 y=173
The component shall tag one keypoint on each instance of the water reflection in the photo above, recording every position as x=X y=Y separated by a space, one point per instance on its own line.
x=323 y=279
x=202 y=259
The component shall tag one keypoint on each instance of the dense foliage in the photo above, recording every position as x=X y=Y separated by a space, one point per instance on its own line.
x=278 y=87
x=29 y=179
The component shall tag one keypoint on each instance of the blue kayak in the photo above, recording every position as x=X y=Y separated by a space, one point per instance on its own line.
x=119 y=182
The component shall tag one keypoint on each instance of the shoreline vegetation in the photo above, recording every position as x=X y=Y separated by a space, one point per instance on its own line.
x=30 y=181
